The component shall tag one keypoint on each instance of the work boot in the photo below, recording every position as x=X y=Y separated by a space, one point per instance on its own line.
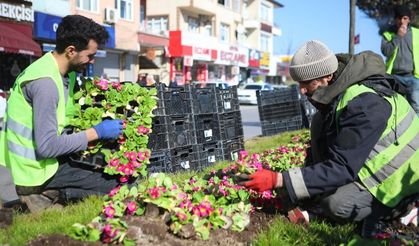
x=36 y=202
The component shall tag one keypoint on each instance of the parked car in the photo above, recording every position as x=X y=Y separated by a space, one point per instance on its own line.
x=218 y=83
x=3 y=102
x=247 y=93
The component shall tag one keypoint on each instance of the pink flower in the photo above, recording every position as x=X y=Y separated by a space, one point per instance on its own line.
x=136 y=164
x=186 y=204
x=142 y=130
x=131 y=155
x=181 y=216
x=108 y=234
x=109 y=211
x=128 y=169
x=267 y=194
x=102 y=84
x=121 y=139
x=114 y=191
x=114 y=162
x=124 y=124
x=117 y=86
x=123 y=179
x=154 y=192
x=243 y=154
x=192 y=181
x=131 y=207
x=174 y=187
x=142 y=155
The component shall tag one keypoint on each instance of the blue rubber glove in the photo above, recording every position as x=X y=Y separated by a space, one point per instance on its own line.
x=109 y=129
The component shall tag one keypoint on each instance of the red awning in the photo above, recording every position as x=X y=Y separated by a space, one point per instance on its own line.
x=17 y=38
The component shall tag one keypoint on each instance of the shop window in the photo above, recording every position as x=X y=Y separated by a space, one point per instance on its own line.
x=224 y=33
x=208 y=29
x=88 y=5
x=157 y=25
x=125 y=8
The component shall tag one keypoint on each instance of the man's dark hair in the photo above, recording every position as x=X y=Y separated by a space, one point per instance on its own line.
x=78 y=30
x=402 y=10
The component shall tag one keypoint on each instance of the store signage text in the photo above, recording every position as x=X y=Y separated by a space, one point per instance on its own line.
x=232 y=57
x=17 y=12
x=200 y=53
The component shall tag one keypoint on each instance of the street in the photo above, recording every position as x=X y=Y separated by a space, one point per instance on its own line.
x=250 y=120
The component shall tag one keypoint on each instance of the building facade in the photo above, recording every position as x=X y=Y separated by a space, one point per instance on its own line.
x=17 y=48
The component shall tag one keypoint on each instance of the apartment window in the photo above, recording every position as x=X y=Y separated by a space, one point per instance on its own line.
x=89 y=5
x=157 y=24
x=125 y=9
x=193 y=24
x=265 y=41
x=208 y=29
x=266 y=13
x=237 y=6
x=142 y=16
x=224 y=33
x=225 y=3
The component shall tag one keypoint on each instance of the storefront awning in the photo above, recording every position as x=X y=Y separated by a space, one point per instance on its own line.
x=17 y=38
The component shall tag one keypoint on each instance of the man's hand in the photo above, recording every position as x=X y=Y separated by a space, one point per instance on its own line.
x=264 y=180
x=402 y=30
x=108 y=129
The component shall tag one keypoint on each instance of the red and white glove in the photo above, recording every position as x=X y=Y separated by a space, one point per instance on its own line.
x=263 y=180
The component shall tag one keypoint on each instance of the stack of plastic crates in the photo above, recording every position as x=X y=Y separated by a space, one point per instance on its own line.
x=280 y=110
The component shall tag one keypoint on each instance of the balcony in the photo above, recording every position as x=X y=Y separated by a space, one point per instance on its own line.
x=276 y=30
x=203 y=7
x=251 y=23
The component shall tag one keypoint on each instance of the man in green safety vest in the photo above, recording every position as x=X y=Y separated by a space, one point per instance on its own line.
x=33 y=146
x=401 y=47
x=363 y=162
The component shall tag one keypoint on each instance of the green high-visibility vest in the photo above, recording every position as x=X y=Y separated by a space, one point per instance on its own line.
x=415 y=43
x=17 y=143
x=391 y=171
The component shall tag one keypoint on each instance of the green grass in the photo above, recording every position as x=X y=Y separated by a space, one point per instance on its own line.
x=318 y=233
x=28 y=226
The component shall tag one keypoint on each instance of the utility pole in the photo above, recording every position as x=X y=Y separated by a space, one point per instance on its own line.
x=351 y=25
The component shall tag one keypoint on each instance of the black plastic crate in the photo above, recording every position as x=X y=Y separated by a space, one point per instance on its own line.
x=278 y=95
x=159 y=162
x=278 y=111
x=174 y=100
x=159 y=137
x=207 y=128
x=184 y=159
x=231 y=148
x=230 y=125
x=93 y=160
x=181 y=130
x=227 y=100
x=209 y=154
x=204 y=100
x=286 y=124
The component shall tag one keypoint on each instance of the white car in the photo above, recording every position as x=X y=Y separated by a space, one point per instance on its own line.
x=217 y=83
x=247 y=93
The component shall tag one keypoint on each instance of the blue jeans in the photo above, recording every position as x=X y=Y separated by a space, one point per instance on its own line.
x=412 y=86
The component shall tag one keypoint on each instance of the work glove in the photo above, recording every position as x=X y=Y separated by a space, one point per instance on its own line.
x=108 y=129
x=261 y=181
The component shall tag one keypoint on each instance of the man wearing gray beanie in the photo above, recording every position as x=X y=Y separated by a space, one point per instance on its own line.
x=363 y=161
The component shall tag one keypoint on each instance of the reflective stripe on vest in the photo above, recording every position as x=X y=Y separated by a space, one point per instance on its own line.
x=391 y=171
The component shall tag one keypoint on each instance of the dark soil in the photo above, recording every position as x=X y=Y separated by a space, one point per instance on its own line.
x=151 y=231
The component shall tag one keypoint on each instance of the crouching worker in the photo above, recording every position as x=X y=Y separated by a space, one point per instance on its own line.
x=364 y=161
x=39 y=106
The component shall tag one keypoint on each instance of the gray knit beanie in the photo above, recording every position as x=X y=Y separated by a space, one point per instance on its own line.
x=311 y=61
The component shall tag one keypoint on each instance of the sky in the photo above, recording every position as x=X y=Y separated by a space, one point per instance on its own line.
x=323 y=20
